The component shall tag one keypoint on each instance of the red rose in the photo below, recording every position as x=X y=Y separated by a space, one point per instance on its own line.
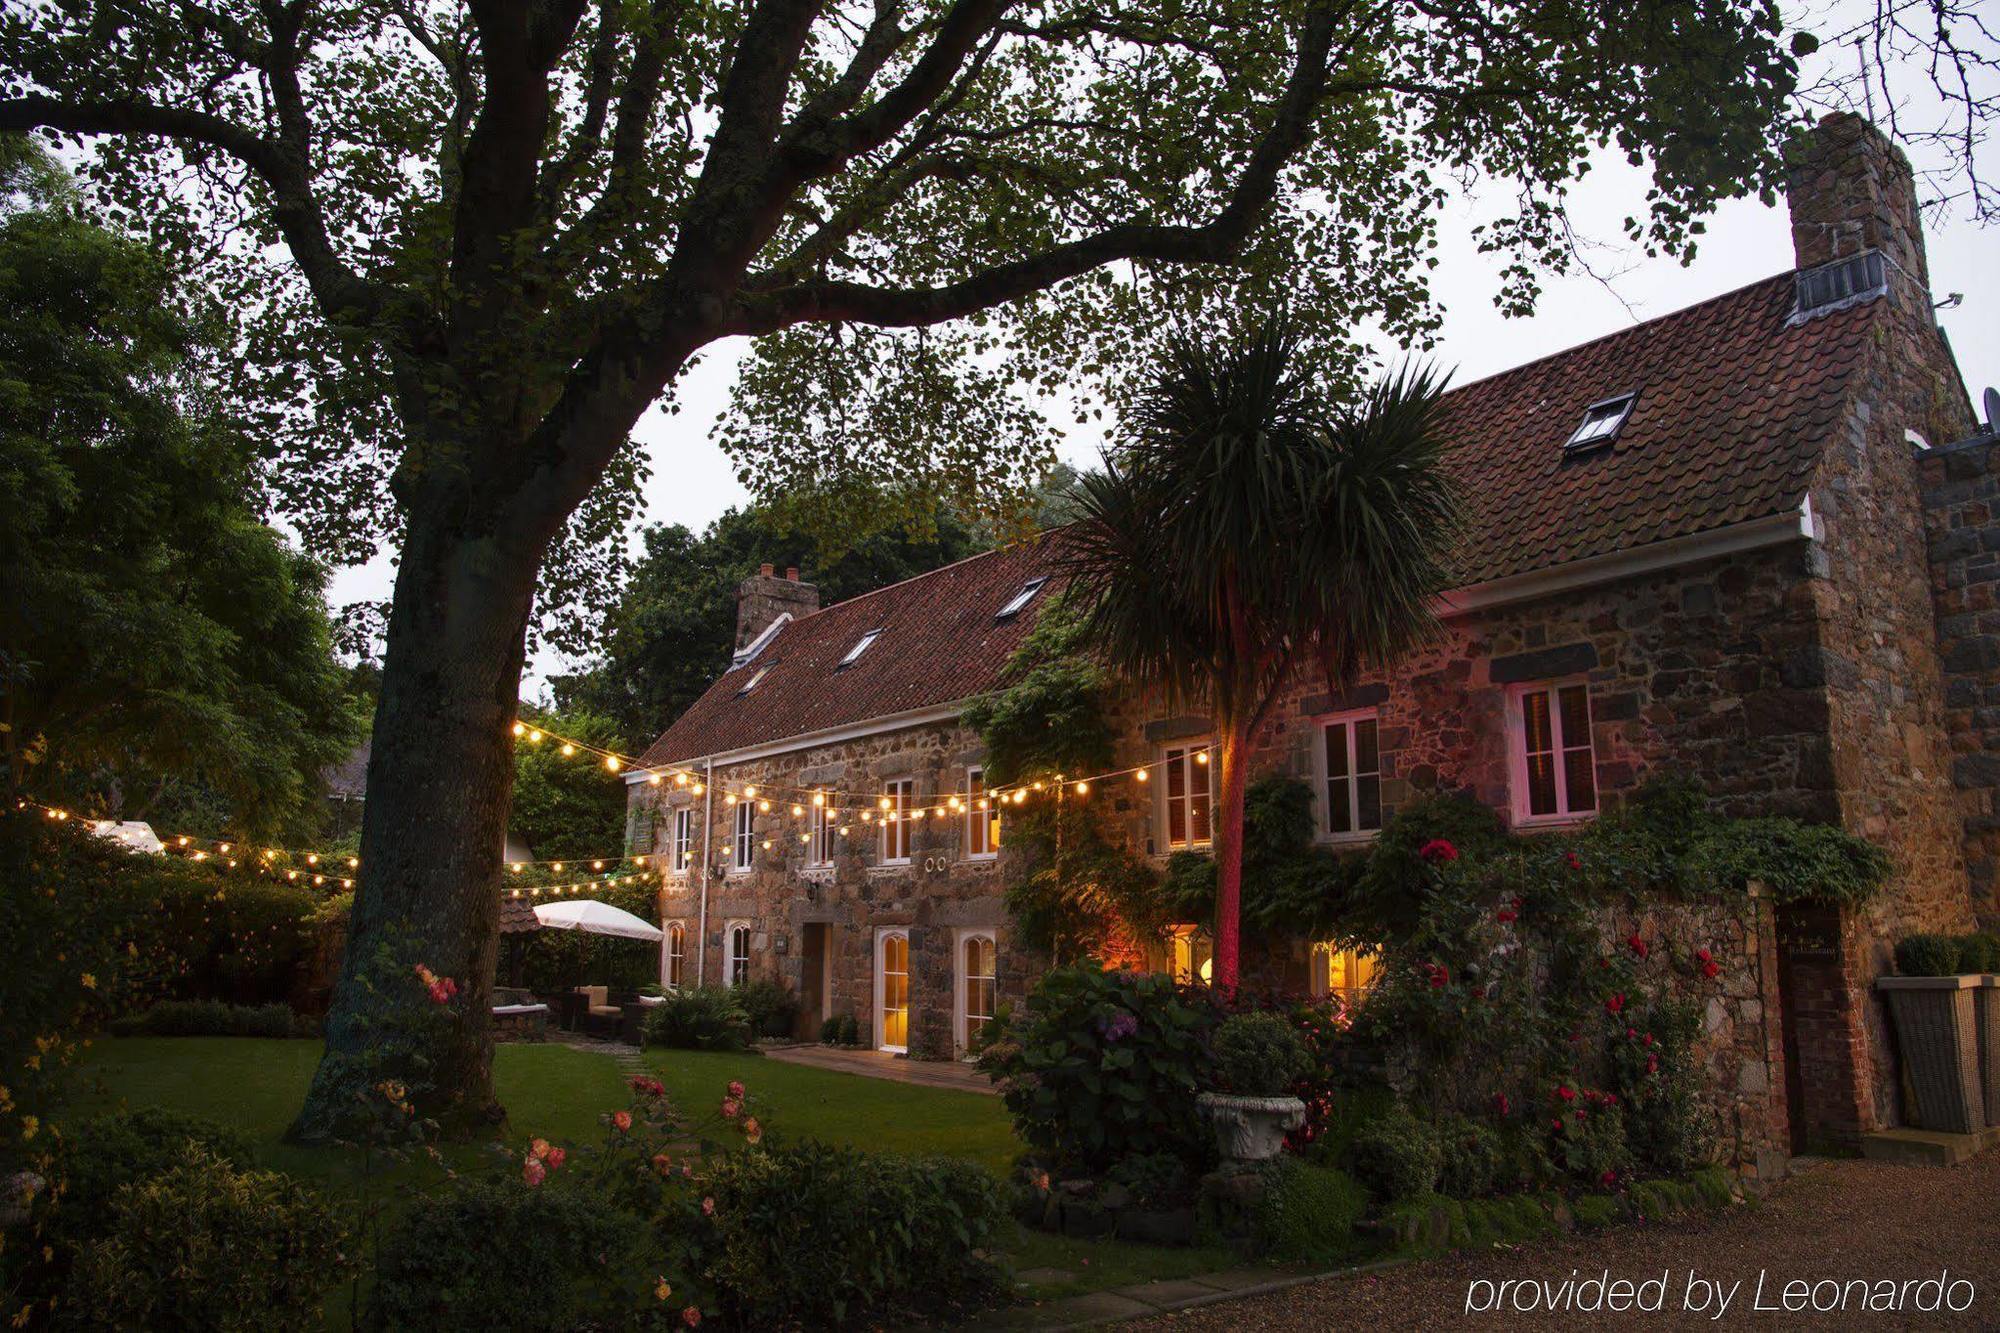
x=556 y=1157
x=1609 y=1178
x=1652 y=1064
x=1616 y=1003
x=1637 y=945
x=1647 y=1039
x=1437 y=850
x=1501 y=1105
x=1504 y=915
x=1520 y=904
x=1566 y=1092
x=1572 y=860
x=1703 y=955
x=1710 y=970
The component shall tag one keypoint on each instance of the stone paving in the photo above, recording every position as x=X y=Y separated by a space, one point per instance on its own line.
x=954 y=1074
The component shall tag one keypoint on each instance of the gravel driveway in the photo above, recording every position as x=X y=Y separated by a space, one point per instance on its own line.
x=1841 y=1220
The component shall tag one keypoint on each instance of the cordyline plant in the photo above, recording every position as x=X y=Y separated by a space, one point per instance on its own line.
x=1251 y=527
x=471 y=242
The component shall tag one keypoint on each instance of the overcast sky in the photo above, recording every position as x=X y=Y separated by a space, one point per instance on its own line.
x=693 y=482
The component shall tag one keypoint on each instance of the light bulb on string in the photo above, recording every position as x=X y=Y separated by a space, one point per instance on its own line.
x=1142 y=775
x=568 y=749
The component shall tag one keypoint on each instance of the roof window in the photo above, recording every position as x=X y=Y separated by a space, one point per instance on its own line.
x=861 y=646
x=1825 y=288
x=1020 y=599
x=756 y=678
x=1601 y=422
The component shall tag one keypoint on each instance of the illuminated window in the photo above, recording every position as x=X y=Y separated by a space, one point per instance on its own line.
x=977 y=982
x=745 y=839
x=1020 y=599
x=901 y=796
x=982 y=827
x=861 y=646
x=1352 y=761
x=892 y=984
x=819 y=835
x=676 y=954
x=1555 y=771
x=1193 y=955
x=1187 y=790
x=736 y=956
x=1343 y=972
x=683 y=850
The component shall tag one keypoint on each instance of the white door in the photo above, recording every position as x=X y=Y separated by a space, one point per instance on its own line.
x=892 y=991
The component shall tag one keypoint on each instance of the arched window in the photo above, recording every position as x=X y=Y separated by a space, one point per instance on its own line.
x=977 y=982
x=736 y=957
x=676 y=954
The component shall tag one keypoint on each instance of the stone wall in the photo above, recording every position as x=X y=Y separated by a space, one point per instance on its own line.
x=1962 y=498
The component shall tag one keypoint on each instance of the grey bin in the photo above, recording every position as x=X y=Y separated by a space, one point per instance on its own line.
x=1938 y=1036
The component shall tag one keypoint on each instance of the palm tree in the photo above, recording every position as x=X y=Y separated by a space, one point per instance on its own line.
x=1251 y=526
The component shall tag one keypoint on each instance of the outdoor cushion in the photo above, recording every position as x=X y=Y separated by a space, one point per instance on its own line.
x=597 y=994
x=510 y=1010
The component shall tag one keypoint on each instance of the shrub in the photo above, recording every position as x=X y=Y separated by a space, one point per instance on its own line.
x=829 y=1031
x=1397 y=1156
x=205 y=1245
x=699 y=1018
x=1107 y=1064
x=85 y=1171
x=495 y=1254
x=771 y=1009
x=809 y=1235
x=1928 y=955
x=214 y=1018
x=1591 y=1148
x=1259 y=1055
x=1307 y=1213
x=1154 y=1180
x=1980 y=952
x=1471 y=1158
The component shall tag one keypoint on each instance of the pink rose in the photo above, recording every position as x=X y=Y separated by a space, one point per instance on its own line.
x=691 y=1316
x=708 y=1206
x=621 y=1121
x=731 y=1108
x=735 y=1087
x=533 y=1171
x=557 y=1156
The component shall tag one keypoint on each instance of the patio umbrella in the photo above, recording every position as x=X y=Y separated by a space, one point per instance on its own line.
x=598 y=918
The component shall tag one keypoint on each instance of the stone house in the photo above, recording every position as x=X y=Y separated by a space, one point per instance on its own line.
x=1723 y=541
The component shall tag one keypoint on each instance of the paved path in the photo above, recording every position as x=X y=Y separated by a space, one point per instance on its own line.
x=1843 y=1220
x=955 y=1074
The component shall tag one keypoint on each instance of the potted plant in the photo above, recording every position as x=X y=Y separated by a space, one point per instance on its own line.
x=1931 y=1003
x=1257 y=1059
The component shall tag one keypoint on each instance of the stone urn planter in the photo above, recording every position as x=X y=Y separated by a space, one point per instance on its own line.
x=1250 y=1129
x=1938 y=1036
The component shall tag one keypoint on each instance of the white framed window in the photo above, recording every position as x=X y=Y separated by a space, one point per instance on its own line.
x=861 y=645
x=1347 y=973
x=1187 y=795
x=1350 y=765
x=1554 y=767
x=681 y=851
x=1020 y=600
x=735 y=953
x=743 y=842
x=819 y=831
x=674 y=971
x=899 y=798
x=977 y=967
x=982 y=818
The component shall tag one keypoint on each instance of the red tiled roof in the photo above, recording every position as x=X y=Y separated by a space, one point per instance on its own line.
x=1734 y=407
x=1733 y=410
x=939 y=643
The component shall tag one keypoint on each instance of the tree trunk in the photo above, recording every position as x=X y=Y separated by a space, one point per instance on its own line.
x=1233 y=753
x=440 y=781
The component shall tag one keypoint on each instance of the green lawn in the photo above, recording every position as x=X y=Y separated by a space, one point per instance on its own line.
x=870 y=1113
x=558 y=1093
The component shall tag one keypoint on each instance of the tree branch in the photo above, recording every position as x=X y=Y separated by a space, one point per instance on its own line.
x=1214 y=240
x=344 y=296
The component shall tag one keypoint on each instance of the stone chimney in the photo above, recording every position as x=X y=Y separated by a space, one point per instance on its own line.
x=1849 y=190
x=763 y=597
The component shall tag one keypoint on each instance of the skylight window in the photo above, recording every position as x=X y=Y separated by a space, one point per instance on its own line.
x=1021 y=598
x=1601 y=421
x=861 y=646
x=755 y=679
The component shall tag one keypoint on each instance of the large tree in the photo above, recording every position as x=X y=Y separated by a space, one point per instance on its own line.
x=475 y=241
x=161 y=648
x=1253 y=526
